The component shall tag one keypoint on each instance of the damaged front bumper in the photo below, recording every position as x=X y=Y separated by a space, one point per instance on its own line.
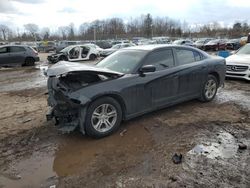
x=68 y=113
x=67 y=120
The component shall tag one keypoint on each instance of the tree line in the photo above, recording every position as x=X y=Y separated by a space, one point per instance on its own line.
x=117 y=28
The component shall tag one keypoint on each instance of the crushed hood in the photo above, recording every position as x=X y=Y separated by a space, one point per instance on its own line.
x=64 y=67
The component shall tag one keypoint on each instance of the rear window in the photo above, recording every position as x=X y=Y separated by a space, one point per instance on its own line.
x=185 y=56
x=17 y=49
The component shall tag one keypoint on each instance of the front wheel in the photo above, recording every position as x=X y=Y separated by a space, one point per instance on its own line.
x=103 y=117
x=209 y=89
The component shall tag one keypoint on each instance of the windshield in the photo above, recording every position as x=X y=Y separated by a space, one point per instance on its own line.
x=244 y=50
x=124 y=61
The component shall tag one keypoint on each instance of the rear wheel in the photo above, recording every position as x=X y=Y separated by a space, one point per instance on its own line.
x=29 y=61
x=209 y=89
x=103 y=117
x=92 y=57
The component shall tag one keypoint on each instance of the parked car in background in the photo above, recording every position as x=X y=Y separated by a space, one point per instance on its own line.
x=107 y=52
x=238 y=65
x=74 y=53
x=233 y=44
x=215 y=45
x=46 y=46
x=186 y=42
x=31 y=44
x=243 y=41
x=200 y=43
x=63 y=44
x=11 y=55
x=103 y=44
x=161 y=40
x=130 y=82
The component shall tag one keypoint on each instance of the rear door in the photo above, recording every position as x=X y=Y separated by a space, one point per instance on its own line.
x=4 y=56
x=192 y=72
x=17 y=54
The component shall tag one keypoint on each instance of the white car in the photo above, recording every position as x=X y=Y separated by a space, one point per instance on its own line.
x=238 y=65
x=74 y=53
x=94 y=46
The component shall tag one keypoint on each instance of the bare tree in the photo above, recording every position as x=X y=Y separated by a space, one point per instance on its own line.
x=63 y=30
x=32 y=29
x=45 y=33
x=4 y=31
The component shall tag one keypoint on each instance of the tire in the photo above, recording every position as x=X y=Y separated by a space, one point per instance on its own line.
x=29 y=61
x=92 y=57
x=97 y=120
x=209 y=89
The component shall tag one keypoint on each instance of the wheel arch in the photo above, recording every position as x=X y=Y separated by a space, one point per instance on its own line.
x=115 y=96
x=216 y=75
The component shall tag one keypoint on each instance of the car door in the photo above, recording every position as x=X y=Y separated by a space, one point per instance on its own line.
x=163 y=83
x=17 y=54
x=192 y=71
x=4 y=56
x=74 y=54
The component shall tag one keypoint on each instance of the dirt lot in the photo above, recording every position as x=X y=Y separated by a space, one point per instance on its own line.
x=34 y=154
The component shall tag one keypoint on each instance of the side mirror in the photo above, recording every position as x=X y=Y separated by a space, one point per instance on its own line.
x=147 y=68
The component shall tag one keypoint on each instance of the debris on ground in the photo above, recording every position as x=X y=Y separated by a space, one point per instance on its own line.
x=27 y=120
x=123 y=132
x=242 y=146
x=177 y=159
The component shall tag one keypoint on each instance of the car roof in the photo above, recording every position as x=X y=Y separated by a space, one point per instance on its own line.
x=155 y=46
x=14 y=45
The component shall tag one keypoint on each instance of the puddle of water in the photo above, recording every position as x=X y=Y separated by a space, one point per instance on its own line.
x=35 y=171
x=226 y=147
x=239 y=97
x=76 y=154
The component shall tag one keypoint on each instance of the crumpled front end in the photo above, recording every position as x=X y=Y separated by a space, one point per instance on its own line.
x=68 y=113
x=67 y=98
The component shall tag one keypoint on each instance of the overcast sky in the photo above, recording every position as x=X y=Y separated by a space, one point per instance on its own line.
x=54 y=13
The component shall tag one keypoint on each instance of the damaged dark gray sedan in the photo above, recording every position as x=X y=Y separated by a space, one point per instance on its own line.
x=129 y=83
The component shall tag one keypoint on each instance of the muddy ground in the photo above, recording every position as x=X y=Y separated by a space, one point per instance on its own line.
x=34 y=154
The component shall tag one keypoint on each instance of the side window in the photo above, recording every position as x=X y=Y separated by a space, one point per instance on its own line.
x=161 y=59
x=14 y=49
x=197 y=56
x=3 y=50
x=185 y=56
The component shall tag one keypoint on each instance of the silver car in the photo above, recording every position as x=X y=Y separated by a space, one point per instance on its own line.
x=17 y=55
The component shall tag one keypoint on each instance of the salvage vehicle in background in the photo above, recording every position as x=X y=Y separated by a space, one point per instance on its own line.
x=233 y=44
x=238 y=65
x=200 y=43
x=17 y=55
x=130 y=82
x=186 y=42
x=74 y=53
x=99 y=50
x=215 y=45
x=46 y=46
x=107 y=52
